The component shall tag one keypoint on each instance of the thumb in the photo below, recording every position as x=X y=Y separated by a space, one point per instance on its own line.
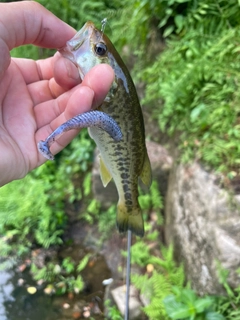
x=28 y=22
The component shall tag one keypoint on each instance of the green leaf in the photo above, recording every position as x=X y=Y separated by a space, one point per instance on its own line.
x=179 y=21
x=168 y=31
x=214 y=316
x=188 y=296
x=87 y=184
x=68 y=265
x=174 y=309
x=78 y=284
x=202 y=304
x=82 y=264
x=195 y=113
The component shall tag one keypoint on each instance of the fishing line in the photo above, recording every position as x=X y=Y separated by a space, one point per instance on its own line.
x=128 y=276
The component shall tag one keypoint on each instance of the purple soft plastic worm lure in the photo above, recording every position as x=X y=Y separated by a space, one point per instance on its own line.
x=84 y=120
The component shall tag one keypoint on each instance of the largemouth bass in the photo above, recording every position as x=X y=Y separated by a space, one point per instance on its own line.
x=126 y=160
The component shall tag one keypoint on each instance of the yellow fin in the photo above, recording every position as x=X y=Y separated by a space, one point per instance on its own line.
x=130 y=220
x=146 y=174
x=106 y=176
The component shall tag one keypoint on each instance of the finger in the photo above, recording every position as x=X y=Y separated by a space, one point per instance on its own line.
x=45 y=114
x=100 y=79
x=85 y=95
x=44 y=91
x=29 y=22
x=67 y=77
x=35 y=71
x=65 y=72
x=39 y=89
x=79 y=96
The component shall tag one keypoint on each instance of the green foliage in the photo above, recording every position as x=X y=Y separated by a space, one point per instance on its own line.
x=170 y=298
x=165 y=275
x=48 y=273
x=228 y=305
x=22 y=210
x=152 y=201
x=140 y=253
x=107 y=221
x=32 y=209
x=70 y=168
x=193 y=87
x=75 y=13
x=69 y=284
x=62 y=278
x=113 y=312
x=185 y=304
x=196 y=76
x=83 y=263
x=68 y=265
x=198 y=81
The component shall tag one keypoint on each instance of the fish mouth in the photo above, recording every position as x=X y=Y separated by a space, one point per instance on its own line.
x=78 y=46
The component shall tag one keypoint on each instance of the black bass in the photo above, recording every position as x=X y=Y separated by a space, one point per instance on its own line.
x=124 y=160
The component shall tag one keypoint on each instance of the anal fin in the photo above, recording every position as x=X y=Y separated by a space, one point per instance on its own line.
x=146 y=174
x=106 y=176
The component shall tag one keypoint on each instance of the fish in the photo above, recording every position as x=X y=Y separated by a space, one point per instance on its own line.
x=125 y=161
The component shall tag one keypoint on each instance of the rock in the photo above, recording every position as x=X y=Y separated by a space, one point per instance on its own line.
x=119 y=296
x=161 y=163
x=203 y=222
x=76 y=315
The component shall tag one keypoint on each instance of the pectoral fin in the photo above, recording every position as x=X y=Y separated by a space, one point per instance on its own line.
x=106 y=176
x=146 y=174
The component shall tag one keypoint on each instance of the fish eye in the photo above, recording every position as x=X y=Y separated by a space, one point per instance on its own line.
x=100 y=49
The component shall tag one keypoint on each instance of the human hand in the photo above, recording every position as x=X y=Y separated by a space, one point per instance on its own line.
x=38 y=96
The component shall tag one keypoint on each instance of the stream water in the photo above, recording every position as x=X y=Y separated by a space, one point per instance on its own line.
x=17 y=304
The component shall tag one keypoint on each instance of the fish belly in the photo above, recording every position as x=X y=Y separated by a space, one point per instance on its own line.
x=119 y=163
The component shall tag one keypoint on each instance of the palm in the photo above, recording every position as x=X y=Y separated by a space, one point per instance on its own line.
x=33 y=104
x=37 y=97
x=18 y=123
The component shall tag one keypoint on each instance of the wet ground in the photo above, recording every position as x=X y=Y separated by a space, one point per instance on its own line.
x=16 y=303
x=106 y=262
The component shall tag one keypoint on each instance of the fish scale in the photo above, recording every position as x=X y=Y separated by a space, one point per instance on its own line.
x=126 y=160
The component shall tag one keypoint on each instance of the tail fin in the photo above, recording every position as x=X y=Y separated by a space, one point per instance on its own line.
x=130 y=220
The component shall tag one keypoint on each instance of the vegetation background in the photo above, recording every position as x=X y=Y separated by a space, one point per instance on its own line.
x=186 y=55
